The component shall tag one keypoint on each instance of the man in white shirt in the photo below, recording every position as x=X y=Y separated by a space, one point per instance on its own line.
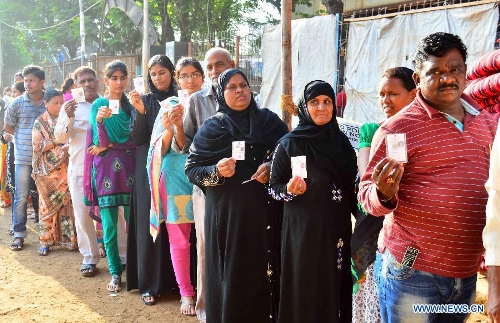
x=491 y=232
x=71 y=128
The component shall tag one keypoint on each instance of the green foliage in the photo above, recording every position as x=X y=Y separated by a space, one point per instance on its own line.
x=204 y=16
x=29 y=40
x=39 y=28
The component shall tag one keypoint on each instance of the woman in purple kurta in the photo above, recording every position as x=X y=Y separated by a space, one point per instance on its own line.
x=110 y=164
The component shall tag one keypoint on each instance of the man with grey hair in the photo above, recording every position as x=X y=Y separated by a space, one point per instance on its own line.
x=202 y=105
x=71 y=128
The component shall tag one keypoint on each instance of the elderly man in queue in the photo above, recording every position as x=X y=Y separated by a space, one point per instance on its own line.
x=71 y=128
x=202 y=105
x=434 y=198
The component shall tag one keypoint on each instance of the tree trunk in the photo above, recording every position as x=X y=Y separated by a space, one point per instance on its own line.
x=334 y=6
x=167 y=33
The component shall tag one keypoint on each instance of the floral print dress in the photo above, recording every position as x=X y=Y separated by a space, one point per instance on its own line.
x=50 y=168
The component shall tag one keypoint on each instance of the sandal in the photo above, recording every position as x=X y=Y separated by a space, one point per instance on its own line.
x=187 y=305
x=4 y=204
x=102 y=250
x=17 y=244
x=11 y=232
x=88 y=270
x=148 y=299
x=43 y=251
x=114 y=285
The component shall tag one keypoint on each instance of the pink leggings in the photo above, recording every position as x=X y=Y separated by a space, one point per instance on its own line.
x=178 y=236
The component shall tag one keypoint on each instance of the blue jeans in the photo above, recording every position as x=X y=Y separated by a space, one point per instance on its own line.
x=22 y=183
x=400 y=287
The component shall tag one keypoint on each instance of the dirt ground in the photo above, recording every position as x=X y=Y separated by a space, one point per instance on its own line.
x=51 y=289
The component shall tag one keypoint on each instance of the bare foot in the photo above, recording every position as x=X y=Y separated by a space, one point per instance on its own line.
x=187 y=305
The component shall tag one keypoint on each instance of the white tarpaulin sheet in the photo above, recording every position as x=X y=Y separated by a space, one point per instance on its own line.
x=314 y=57
x=376 y=45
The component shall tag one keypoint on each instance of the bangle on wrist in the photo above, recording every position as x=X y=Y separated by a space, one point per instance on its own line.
x=386 y=200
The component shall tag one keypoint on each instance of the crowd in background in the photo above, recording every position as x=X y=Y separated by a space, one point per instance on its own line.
x=214 y=196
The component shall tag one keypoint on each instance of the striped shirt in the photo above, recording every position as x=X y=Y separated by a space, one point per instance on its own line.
x=441 y=200
x=21 y=115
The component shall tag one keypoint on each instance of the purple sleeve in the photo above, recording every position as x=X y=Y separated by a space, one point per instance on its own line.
x=102 y=135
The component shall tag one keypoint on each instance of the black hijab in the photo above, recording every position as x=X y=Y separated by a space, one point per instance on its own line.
x=152 y=99
x=327 y=146
x=252 y=125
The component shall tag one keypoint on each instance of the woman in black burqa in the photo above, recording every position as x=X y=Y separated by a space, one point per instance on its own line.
x=316 y=283
x=149 y=267
x=237 y=213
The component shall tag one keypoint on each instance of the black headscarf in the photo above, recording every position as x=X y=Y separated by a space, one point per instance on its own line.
x=252 y=125
x=152 y=99
x=327 y=145
x=156 y=95
x=244 y=124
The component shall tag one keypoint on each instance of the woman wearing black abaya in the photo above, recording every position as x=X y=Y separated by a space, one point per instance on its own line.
x=316 y=282
x=236 y=213
x=149 y=267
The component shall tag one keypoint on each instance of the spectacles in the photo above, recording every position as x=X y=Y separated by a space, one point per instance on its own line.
x=234 y=87
x=186 y=77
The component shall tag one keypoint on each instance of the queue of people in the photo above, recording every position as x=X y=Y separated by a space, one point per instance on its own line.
x=271 y=209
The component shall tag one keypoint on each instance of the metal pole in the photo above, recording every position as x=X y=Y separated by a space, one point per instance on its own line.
x=145 y=42
x=237 y=52
x=286 y=57
x=82 y=33
x=1 y=57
